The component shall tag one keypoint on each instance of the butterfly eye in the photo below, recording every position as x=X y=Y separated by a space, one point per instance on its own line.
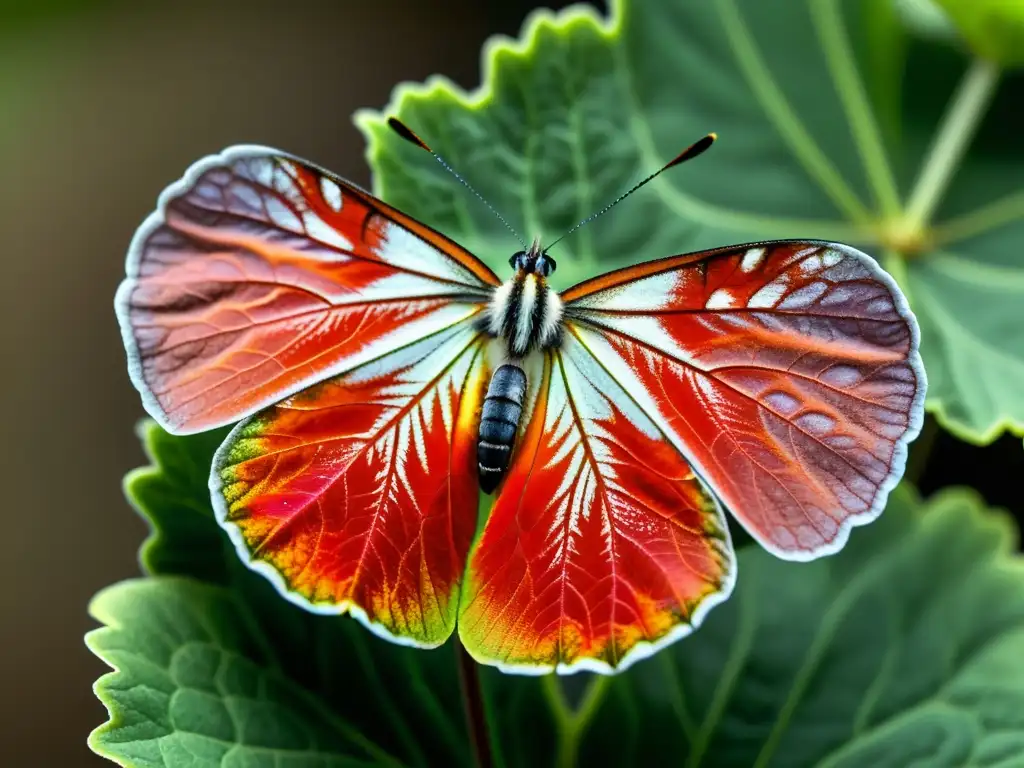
x=513 y=260
x=545 y=265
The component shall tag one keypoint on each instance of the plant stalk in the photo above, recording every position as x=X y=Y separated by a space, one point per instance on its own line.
x=473 y=703
x=958 y=127
x=572 y=723
x=995 y=214
x=835 y=46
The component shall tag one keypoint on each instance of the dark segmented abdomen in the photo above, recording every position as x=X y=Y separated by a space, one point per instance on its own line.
x=499 y=421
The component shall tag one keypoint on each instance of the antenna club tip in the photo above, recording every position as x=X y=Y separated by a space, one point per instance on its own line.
x=406 y=133
x=692 y=151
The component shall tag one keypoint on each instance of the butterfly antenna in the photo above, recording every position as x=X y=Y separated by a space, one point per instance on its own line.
x=697 y=148
x=406 y=133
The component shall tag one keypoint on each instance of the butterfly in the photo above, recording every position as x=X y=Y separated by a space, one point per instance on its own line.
x=382 y=377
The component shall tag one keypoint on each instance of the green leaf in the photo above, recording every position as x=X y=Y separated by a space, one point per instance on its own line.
x=173 y=495
x=196 y=684
x=949 y=289
x=904 y=647
x=994 y=29
x=402 y=697
x=580 y=108
x=925 y=18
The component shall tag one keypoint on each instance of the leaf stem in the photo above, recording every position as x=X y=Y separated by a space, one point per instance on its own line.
x=989 y=216
x=739 y=653
x=954 y=136
x=838 y=55
x=573 y=723
x=556 y=701
x=895 y=264
x=592 y=699
x=473 y=702
x=779 y=111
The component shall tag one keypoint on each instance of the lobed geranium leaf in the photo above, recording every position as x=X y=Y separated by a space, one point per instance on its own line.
x=580 y=108
x=905 y=646
x=902 y=650
x=394 y=695
x=172 y=494
x=197 y=684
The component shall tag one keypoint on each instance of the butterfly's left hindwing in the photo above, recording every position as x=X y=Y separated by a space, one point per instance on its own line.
x=360 y=493
x=602 y=545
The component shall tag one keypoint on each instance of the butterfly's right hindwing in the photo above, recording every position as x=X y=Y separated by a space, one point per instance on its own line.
x=602 y=545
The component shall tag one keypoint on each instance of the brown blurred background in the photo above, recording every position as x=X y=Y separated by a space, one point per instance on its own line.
x=103 y=104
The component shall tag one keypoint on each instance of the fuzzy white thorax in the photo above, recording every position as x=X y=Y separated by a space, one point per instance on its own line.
x=524 y=317
x=513 y=307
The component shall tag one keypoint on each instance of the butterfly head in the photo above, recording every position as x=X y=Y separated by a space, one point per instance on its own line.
x=534 y=261
x=524 y=310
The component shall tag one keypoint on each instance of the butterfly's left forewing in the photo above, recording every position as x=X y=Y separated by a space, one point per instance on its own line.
x=359 y=494
x=260 y=274
x=602 y=545
x=788 y=373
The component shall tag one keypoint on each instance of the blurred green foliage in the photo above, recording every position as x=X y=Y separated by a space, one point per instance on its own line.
x=16 y=15
x=993 y=29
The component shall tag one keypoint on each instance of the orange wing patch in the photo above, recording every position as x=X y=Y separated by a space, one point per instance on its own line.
x=360 y=494
x=260 y=274
x=602 y=545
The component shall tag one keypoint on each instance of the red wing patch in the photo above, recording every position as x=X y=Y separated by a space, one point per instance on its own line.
x=602 y=546
x=360 y=493
x=260 y=274
x=788 y=373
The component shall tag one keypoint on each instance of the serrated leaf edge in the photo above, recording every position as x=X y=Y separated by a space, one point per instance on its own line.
x=102 y=687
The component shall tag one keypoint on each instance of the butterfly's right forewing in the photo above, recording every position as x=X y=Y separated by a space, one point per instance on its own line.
x=787 y=372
